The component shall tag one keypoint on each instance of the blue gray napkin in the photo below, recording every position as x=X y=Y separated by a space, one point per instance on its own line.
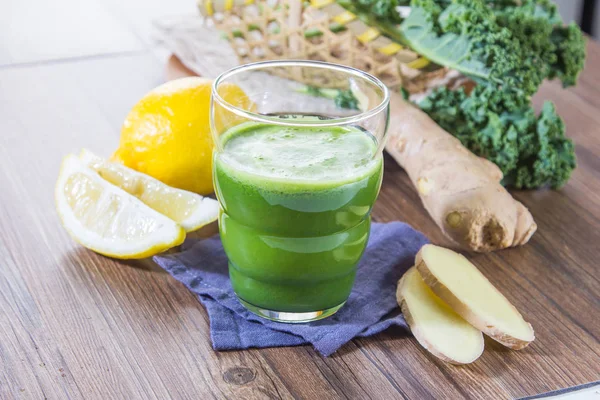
x=371 y=308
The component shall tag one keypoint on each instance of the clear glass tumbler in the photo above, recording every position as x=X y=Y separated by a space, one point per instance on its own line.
x=297 y=167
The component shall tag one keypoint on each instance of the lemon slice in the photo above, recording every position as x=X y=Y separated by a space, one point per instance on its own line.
x=108 y=220
x=188 y=209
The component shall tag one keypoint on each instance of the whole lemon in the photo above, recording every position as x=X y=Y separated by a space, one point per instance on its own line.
x=167 y=134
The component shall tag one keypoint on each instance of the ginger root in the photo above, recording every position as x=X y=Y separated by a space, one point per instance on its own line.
x=457 y=282
x=461 y=192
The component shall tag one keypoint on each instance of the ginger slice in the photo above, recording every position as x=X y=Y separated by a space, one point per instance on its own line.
x=460 y=284
x=434 y=324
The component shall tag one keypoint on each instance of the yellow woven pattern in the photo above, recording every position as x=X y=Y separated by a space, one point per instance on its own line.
x=208 y=6
x=259 y=30
x=419 y=63
x=390 y=49
x=320 y=3
x=344 y=18
x=368 y=35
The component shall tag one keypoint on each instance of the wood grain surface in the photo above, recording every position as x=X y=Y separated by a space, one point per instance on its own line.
x=77 y=325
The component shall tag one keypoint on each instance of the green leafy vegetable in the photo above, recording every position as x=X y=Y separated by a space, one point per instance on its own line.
x=507 y=43
x=346 y=99
x=465 y=36
x=384 y=9
x=570 y=52
x=508 y=47
x=532 y=151
x=558 y=51
x=342 y=98
x=387 y=23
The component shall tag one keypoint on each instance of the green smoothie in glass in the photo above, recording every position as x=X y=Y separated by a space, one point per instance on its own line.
x=295 y=212
x=296 y=177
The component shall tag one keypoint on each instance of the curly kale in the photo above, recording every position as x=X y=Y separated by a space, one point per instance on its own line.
x=506 y=43
x=346 y=99
x=500 y=42
x=380 y=13
x=570 y=54
x=342 y=98
x=384 y=9
x=532 y=151
x=508 y=47
x=556 y=50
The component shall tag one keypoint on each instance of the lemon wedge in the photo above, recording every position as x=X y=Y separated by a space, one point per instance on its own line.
x=190 y=210
x=108 y=220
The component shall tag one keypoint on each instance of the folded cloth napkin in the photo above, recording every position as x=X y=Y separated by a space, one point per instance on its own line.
x=371 y=308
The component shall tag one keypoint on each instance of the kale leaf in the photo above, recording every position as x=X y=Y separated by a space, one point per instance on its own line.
x=508 y=48
x=501 y=42
x=531 y=150
x=342 y=98
x=346 y=99
x=557 y=51
x=384 y=9
x=506 y=43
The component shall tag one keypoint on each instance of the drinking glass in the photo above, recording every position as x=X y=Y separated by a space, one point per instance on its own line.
x=297 y=167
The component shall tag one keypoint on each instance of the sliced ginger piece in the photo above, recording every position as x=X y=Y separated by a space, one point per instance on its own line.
x=439 y=329
x=460 y=284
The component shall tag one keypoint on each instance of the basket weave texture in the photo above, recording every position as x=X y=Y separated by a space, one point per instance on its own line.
x=287 y=29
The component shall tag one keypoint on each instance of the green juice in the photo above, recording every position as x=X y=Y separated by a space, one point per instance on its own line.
x=295 y=217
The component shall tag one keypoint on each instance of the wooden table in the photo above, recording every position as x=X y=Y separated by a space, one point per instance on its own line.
x=74 y=324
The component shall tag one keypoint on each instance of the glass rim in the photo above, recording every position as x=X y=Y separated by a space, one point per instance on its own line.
x=301 y=63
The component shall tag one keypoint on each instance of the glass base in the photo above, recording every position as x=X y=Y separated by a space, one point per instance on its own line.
x=291 y=317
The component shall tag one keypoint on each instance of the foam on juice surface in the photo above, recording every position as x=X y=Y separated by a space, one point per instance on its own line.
x=328 y=154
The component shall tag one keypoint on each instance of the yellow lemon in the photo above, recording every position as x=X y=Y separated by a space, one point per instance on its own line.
x=190 y=210
x=108 y=220
x=167 y=134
